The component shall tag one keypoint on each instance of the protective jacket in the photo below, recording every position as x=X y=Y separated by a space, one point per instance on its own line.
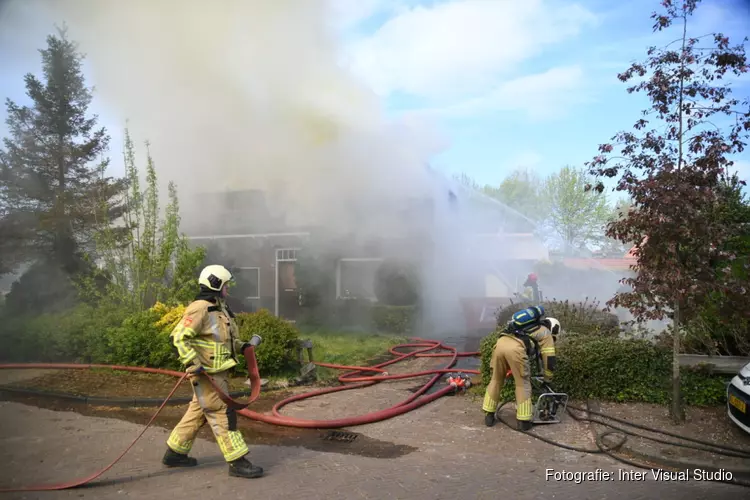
x=537 y=341
x=207 y=333
x=531 y=293
x=514 y=350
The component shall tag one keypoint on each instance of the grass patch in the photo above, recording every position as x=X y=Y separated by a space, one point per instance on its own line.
x=349 y=348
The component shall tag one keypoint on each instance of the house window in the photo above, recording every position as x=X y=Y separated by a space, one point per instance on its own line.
x=355 y=278
x=247 y=283
x=286 y=254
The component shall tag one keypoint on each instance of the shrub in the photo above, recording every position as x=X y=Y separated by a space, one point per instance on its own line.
x=615 y=369
x=79 y=334
x=393 y=319
x=396 y=283
x=45 y=287
x=277 y=353
x=582 y=317
x=718 y=329
x=143 y=338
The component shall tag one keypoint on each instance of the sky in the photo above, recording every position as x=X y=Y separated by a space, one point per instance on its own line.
x=508 y=83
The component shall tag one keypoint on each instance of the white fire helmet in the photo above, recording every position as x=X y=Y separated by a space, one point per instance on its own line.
x=554 y=326
x=214 y=277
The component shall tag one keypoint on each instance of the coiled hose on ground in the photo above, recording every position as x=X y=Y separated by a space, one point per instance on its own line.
x=357 y=378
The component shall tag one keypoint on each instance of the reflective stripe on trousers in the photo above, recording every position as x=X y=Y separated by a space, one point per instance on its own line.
x=207 y=406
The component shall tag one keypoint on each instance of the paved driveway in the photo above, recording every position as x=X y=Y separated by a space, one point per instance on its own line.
x=456 y=457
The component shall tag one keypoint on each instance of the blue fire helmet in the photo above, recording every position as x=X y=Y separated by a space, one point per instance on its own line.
x=527 y=317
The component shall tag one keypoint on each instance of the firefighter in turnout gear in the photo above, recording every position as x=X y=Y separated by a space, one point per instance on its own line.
x=531 y=289
x=524 y=339
x=207 y=341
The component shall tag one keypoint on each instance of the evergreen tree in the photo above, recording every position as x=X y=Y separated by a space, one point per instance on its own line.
x=51 y=167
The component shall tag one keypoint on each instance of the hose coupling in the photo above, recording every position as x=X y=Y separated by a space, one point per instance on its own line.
x=459 y=381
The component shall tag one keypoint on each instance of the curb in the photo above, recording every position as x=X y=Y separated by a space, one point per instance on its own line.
x=743 y=474
x=102 y=401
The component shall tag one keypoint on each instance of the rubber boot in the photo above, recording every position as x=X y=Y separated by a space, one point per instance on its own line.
x=523 y=425
x=174 y=459
x=243 y=468
x=489 y=419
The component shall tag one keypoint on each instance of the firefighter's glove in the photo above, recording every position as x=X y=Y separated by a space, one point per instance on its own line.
x=194 y=370
x=255 y=341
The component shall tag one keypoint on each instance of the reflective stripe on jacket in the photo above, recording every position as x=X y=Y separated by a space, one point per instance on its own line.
x=207 y=332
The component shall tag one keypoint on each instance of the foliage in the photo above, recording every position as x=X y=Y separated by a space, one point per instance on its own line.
x=143 y=339
x=576 y=215
x=46 y=167
x=614 y=369
x=674 y=173
x=559 y=202
x=100 y=335
x=277 y=353
x=394 y=319
x=75 y=335
x=573 y=317
x=612 y=247
x=45 y=287
x=522 y=190
x=396 y=283
x=714 y=333
x=674 y=178
x=151 y=262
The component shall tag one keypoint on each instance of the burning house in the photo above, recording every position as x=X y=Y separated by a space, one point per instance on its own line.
x=471 y=250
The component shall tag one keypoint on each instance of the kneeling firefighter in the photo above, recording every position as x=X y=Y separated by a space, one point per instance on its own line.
x=207 y=340
x=527 y=336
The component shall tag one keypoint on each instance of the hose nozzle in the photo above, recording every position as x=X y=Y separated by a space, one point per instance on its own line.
x=255 y=340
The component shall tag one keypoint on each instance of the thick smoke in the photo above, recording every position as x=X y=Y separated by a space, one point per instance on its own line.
x=242 y=95
x=236 y=95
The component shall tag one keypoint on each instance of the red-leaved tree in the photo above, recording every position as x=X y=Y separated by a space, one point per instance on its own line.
x=673 y=166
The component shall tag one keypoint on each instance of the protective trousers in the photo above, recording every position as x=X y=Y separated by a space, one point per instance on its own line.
x=206 y=406
x=510 y=353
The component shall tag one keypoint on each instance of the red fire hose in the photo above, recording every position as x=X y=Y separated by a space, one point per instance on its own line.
x=350 y=378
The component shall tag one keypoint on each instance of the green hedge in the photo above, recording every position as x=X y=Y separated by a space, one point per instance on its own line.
x=622 y=370
x=139 y=341
x=91 y=335
x=394 y=319
x=79 y=334
x=574 y=317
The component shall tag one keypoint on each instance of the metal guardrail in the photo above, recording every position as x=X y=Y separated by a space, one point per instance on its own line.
x=725 y=365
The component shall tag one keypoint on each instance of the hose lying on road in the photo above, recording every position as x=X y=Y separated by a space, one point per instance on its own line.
x=604 y=448
x=350 y=378
x=356 y=377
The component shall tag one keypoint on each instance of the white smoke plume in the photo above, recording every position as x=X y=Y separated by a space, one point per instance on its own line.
x=237 y=94
x=249 y=94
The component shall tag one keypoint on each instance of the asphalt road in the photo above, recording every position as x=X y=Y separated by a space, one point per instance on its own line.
x=42 y=446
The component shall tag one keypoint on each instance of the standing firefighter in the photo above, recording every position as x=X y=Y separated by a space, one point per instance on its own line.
x=526 y=337
x=531 y=289
x=207 y=340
